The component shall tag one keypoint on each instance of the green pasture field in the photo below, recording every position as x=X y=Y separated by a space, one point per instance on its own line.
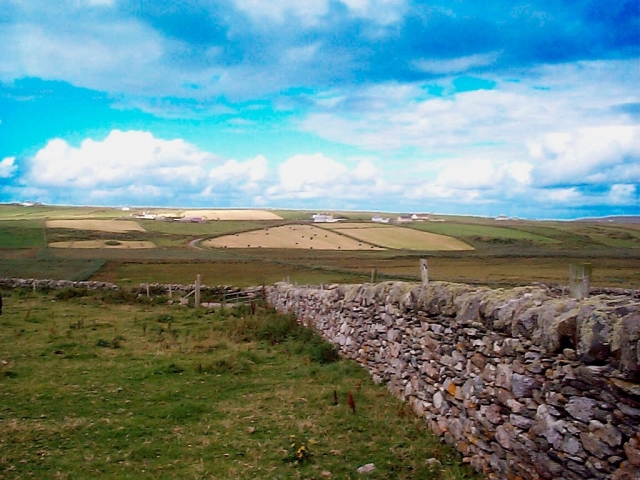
x=103 y=386
x=55 y=212
x=68 y=235
x=248 y=272
x=611 y=236
x=46 y=266
x=21 y=233
x=480 y=232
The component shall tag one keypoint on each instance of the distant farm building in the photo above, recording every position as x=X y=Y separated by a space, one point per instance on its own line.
x=324 y=218
x=404 y=219
x=144 y=215
x=379 y=219
x=191 y=220
x=420 y=217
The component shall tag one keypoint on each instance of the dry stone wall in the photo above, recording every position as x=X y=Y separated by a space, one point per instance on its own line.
x=154 y=288
x=526 y=384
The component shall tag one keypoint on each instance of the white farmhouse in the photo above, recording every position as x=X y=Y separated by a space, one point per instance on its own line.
x=324 y=218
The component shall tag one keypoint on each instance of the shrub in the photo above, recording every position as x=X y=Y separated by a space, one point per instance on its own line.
x=70 y=292
x=323 y=352
x=120 y=296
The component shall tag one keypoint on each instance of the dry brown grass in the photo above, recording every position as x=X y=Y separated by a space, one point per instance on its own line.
x=114 y=226
x=290 y=236
x=402 y=238
x=232 y=214
x=121 y=244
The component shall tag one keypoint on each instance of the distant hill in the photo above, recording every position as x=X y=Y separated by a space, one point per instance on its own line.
x=620 y=219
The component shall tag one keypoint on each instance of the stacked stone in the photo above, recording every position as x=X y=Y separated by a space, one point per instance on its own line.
x=44 y=284
x=523 y=383
x=154 y=288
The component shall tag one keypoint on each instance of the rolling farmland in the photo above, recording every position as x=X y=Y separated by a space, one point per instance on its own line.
x=34 y=243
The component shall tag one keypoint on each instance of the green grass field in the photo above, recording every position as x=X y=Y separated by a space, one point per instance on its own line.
x=94 y=386
x=238 y=273
x=21 y=233
x=487 y=232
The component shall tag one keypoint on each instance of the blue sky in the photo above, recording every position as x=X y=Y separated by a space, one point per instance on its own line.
x=527 y=109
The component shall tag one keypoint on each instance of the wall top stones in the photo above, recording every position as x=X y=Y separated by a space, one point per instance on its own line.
x=603 y=328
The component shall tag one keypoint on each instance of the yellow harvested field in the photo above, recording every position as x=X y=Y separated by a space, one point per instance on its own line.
x=232 y=214
x=289 y=236
x=390 y=236
x=122 y=244
x=114 y=226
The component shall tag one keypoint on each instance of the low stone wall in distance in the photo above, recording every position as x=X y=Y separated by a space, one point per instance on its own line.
x=523 y=382
x=154 y=289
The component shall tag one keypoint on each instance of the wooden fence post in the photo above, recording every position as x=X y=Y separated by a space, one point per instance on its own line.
x=424 y=272
x=197 y=295
x=579 y=279
x=374 y=275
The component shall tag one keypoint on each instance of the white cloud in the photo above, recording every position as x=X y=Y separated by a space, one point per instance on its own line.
x=318 y=176
x=136 y=167
x=125 y=57
x=456 y=65
x=123 y=158
x=624 y=194
x=244 y=173
x=561 y=126
x=588 y=155
x=483 y=174
x=385 y=12
x=560 y=196
x=311 y=11
x=309 y=171
x=98 y=3
x=8 y=167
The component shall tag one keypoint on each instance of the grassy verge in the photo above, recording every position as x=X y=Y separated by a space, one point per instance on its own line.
x=94 y=385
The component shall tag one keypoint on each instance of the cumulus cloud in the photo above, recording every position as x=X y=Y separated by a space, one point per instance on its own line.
x=320 y=177
x=589 y=155
x=624 y=194
x=8 y=167
x=483 y=174
x=136 y=165
x=122 y=158
x=564 y=128
x=237 y=176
